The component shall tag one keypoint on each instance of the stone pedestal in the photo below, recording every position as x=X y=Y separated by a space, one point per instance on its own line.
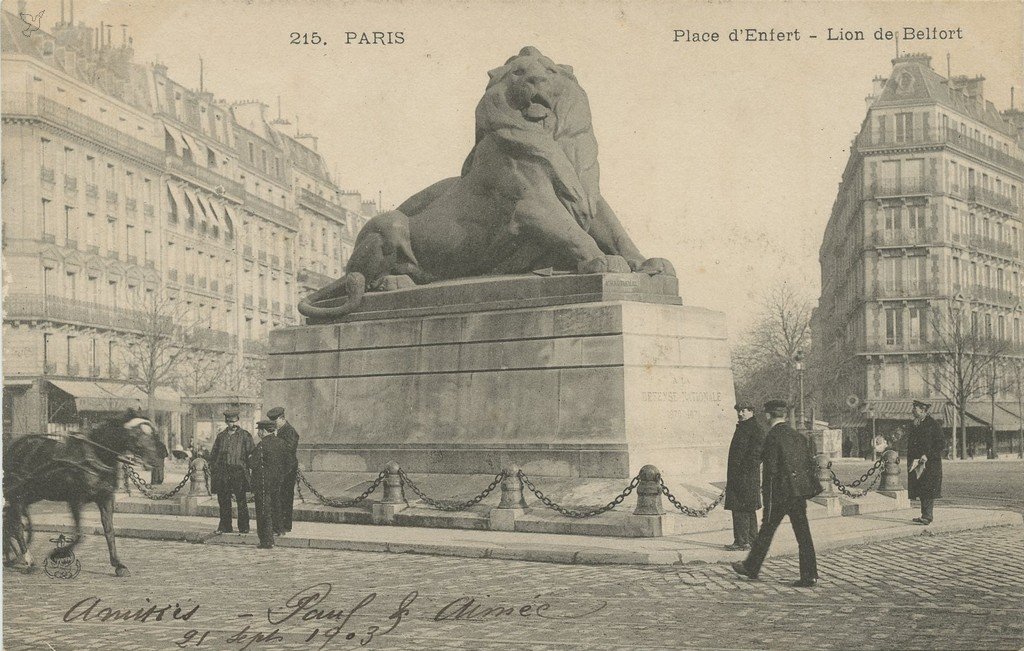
x=567 y=376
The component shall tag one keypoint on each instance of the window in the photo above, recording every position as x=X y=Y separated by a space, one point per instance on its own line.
x=1016 y=330
x=894 y=326
x=1001 y=329
x=147 y=250
x=252 y=153
x=72 y=285
x=111 y=234
x=956 y=271
x=43 y=218
x=44 y=152
x=69 y=222
x=891 y=273
x=999 y=279
x=974 y=324
x=69 y=161
x=988 y=326
x=47 y=350
x=918 y=334
x=129 y=235
x=881 y=129
x=904 y=127
x=915 y=217
x=129 y=183
x=110 y=176
x=90 y=169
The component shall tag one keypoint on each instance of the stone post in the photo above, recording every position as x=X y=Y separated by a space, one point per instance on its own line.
x=890 y=484
x=393 y=500
x=503 y=517
x=829 y=496
x=649 y=519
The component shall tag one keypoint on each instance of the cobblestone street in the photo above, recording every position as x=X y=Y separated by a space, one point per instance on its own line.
x=954 y=591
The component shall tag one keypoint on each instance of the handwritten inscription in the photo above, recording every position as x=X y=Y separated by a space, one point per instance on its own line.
x=307 y=617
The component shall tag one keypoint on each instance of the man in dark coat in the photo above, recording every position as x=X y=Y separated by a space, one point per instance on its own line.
x=156 y=475
x=925 y=445
x=287 y=433
x=743 y=477
x=229 y=465
x=790 y=478
x=269 y=462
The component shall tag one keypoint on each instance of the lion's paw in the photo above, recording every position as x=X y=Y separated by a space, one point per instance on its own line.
x=656 y=266
x=607 y=264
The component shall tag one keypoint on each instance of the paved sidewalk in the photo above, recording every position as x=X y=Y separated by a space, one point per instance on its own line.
x=696 y=547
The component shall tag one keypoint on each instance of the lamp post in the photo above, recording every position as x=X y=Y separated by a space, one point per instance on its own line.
x=799 y=358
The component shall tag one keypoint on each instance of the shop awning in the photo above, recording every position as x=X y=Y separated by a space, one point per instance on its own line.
x=1006 y=418
x=110 y=396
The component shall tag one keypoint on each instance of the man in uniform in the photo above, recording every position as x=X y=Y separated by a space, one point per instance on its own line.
x=743 y=477
x=790 y=478
x=229 y=465
x=925 y=445
x=287 y=433
x=269 y=463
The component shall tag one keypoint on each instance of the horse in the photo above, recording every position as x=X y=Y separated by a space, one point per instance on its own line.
x=78 y=470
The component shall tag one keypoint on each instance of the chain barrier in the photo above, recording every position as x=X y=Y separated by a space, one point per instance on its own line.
x=298 y=488
x=148 y=490
x=845 y=488
x=548 y=502
x=693 y=513
x=343 y=504
x=451 y=506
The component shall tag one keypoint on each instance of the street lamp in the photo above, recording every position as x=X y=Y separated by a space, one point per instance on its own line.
x=799 y=358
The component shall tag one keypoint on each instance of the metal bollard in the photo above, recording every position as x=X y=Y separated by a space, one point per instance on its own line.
x=891 y=472
x=512 y=490
x=394 y=492
x=198 y=468
x=825 y=476
x=648 y=492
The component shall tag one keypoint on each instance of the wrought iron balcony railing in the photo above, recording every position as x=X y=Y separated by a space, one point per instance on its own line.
x=867 y=141
x=908 y=237
x=908 y=289
x=270 y=211
x=992 y=199
x=992 y=245
x=70 y=183
x=92 y=191
x=47 y=175
x=111 y=196
x=884 y=188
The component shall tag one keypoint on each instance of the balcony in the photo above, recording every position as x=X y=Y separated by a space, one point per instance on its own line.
x=868 y=142
x=70 y=183
x=147 y=209
x=113 y=255
x=111 y=196
x=893 y=188
x=993 y=200
x=314 y=279
x=320 y=205
x=70 y=243
x=902 y=346
x=908 y=237
x=908 y=290
x=201 y=282
x=209 y=179
x=150 y=264
x=94 y=371
x=214 y=339
x=275 y=307
x=131 y=204
x=46 y=175
x=114 y=371
x=288 y=265
x=275 y=262
x=248 y=300
x=214 y=285
x=229 y=289
x=270 y=211
x=992 y=245
x=263 y=303
x=991 y=294
x=92 y=248
x=247 y=251
x=59 y=309
x=72 y=369
x=190 y=279
x=49 y=238
x=262 y=257
x=132 y=259
x=92 y=191
x=172 y=274
x=49 y=368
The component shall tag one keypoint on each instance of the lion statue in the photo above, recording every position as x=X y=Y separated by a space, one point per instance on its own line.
x=528 y=198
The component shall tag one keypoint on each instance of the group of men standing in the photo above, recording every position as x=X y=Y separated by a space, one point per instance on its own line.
x=268 y=470
x=790 y=479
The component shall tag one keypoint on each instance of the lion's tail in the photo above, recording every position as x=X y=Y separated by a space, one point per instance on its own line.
x=352 y=286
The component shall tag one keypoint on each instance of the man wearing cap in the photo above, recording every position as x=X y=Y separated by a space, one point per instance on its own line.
x=268 y=463
x=743 y=477
x=229 y=465
x=790 y=478
x=925 y=445
x=287 y=433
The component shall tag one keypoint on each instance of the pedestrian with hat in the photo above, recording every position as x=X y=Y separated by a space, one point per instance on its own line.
x=743 y=477
x=790 y=478
x=287 y=433
x=229 y=464
x=268 y=463
x=925 y=445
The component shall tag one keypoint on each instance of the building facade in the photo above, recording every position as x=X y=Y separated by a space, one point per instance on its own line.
x=926 y=224
x=119 y=184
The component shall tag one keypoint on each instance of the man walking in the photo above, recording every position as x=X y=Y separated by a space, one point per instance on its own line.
x=268 y=463
x=790 y=478
x=743 y=477
x=229 y=465
x=925 y=445
x=287 y=433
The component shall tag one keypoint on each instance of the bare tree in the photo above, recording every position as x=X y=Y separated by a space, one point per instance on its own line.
x=163 y=335
x=1013 y=366
x=201 y=370
x=764 y=364
x=963 y=358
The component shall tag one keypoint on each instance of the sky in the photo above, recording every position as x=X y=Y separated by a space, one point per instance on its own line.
x=723 y=156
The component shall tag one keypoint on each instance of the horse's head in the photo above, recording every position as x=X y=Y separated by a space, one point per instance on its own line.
x=140 y=436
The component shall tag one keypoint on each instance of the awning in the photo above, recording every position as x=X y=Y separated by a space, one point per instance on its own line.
x=941 y=411
x=1006 y=419
x=176 y=137
x=230 y=217
x=210 y=212
x=197 y=207
x=179 y=198
x=109 y=396
x=218 y=209
x=198 y=151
